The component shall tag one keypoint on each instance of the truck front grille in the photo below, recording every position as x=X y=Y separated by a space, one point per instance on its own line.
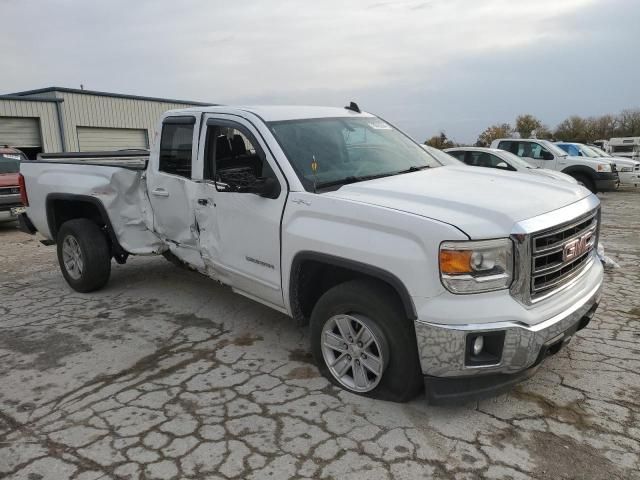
x=560 y=254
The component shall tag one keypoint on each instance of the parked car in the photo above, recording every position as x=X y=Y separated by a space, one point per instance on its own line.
x=10 y=159
x=628 y=169
x=503 y=160
x=409 y=273
x=597 y=174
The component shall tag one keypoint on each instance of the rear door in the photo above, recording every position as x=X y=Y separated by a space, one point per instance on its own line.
x=170 y=185
x=240 y=231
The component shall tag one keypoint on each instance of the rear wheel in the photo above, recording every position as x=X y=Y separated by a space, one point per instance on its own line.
x=84 y=255
x=586 y=182
x=363 y=342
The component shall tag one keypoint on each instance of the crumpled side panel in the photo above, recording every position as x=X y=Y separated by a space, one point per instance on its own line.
x=128 y=207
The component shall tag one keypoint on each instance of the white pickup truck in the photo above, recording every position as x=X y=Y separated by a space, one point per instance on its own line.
x=410 y=273
x=597 y=174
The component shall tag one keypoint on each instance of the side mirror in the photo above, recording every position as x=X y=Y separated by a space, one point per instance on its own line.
x=264 y=187
x=547 y=155
x=503 y=165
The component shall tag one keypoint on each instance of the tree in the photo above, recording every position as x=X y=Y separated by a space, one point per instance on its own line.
x=526 y=124
x=573 y=129
x=628 y=123
x=491 y=133
x=440 y=141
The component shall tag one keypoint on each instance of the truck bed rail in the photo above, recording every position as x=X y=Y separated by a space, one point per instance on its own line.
x=131 y=159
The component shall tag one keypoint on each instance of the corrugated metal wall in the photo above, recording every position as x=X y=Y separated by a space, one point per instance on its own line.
x=96 y=139
x=46 y=111
x=83 y=110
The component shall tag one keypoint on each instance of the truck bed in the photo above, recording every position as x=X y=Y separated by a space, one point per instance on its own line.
x=112 y=182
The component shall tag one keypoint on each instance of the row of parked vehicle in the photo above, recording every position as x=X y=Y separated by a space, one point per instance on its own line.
x=586 y=165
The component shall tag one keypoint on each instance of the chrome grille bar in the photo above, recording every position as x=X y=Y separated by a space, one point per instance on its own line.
x=550 y=266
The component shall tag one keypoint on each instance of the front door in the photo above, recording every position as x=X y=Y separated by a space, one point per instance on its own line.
x=240 y=230
x=539 y=156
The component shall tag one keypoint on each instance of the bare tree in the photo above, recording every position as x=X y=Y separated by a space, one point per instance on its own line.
x=491 y=133
x=526 y=124
x=440 y=141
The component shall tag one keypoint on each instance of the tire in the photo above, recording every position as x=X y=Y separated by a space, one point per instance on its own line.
x=363 y=303
x=84 y=255
x=586 y=182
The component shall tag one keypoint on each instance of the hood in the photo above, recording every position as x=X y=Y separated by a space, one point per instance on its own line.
x=591 y=161
x=627 y=162
x=8 y=179
x=481 y=202
x=545 y=172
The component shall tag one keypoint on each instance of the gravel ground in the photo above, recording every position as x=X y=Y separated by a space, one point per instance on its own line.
x=165 y=374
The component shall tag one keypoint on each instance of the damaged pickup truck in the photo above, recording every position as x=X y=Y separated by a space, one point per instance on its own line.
x=410 y=273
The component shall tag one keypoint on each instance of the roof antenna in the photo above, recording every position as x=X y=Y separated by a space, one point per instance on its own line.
x=353 y=106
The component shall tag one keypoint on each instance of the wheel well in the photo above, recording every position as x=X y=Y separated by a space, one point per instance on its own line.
x=580 y=170
x=60 y=211
x=311 y=278
x=62 y=208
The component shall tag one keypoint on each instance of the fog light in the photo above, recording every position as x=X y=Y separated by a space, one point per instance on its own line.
x=484 y=348
x=478 y=345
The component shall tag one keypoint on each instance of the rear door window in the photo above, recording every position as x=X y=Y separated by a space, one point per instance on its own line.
x=176 y=146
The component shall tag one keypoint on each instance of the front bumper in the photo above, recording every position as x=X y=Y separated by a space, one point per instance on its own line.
x=443 y=347
x=630 y=178
x=7 y=202
x=606 y=181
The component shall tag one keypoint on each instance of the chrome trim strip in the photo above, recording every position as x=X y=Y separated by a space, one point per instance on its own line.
x=556 y=247
x=557 y=217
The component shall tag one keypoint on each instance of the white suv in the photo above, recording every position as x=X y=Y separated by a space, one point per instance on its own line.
x=597 y=174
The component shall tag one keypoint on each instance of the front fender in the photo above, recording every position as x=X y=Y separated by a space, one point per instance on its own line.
x=403 y=246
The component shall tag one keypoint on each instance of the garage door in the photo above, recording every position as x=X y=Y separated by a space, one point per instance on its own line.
x=92 y=139
x=20 y=132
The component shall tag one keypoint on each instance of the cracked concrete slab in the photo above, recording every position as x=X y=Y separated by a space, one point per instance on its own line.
x=166 y=375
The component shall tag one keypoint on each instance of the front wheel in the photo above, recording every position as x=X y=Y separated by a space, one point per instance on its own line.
x=84 y=255
x=363 y=342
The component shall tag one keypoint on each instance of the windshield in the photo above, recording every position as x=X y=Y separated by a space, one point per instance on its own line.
x=9 y=163
x=588 y=152
x=333 y=151
x=553 y=148
x=599 y=151
x=443 y=157
x=515 y=160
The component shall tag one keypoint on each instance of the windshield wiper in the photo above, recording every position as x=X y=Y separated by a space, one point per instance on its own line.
x=362 y=178
x=412 y=169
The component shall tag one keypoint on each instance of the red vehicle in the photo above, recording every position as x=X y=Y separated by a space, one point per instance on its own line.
x=10 y=159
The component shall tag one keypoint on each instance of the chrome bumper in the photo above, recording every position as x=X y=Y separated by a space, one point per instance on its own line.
x=442 y=348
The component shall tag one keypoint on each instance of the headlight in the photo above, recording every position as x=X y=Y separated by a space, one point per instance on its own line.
x=604 y=167
x=476 y=266
x=626 y=169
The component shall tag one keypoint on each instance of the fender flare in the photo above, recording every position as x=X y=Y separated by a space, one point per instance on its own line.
x=582 y=170
x=119 y=253
x=363 y=268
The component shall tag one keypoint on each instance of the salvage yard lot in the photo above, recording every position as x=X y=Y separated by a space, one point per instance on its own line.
x=165 y=374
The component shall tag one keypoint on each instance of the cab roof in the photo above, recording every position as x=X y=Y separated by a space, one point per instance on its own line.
x=276 y=113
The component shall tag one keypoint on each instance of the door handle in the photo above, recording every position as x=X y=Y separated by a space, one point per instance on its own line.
x=203 y=201
x=160 y=192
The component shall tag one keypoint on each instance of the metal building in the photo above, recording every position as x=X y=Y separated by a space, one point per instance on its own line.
x=58 y=119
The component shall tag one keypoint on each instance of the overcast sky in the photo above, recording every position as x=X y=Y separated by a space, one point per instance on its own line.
x=452 y=65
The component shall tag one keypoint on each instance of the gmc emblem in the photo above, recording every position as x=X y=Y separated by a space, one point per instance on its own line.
x=575 y=248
